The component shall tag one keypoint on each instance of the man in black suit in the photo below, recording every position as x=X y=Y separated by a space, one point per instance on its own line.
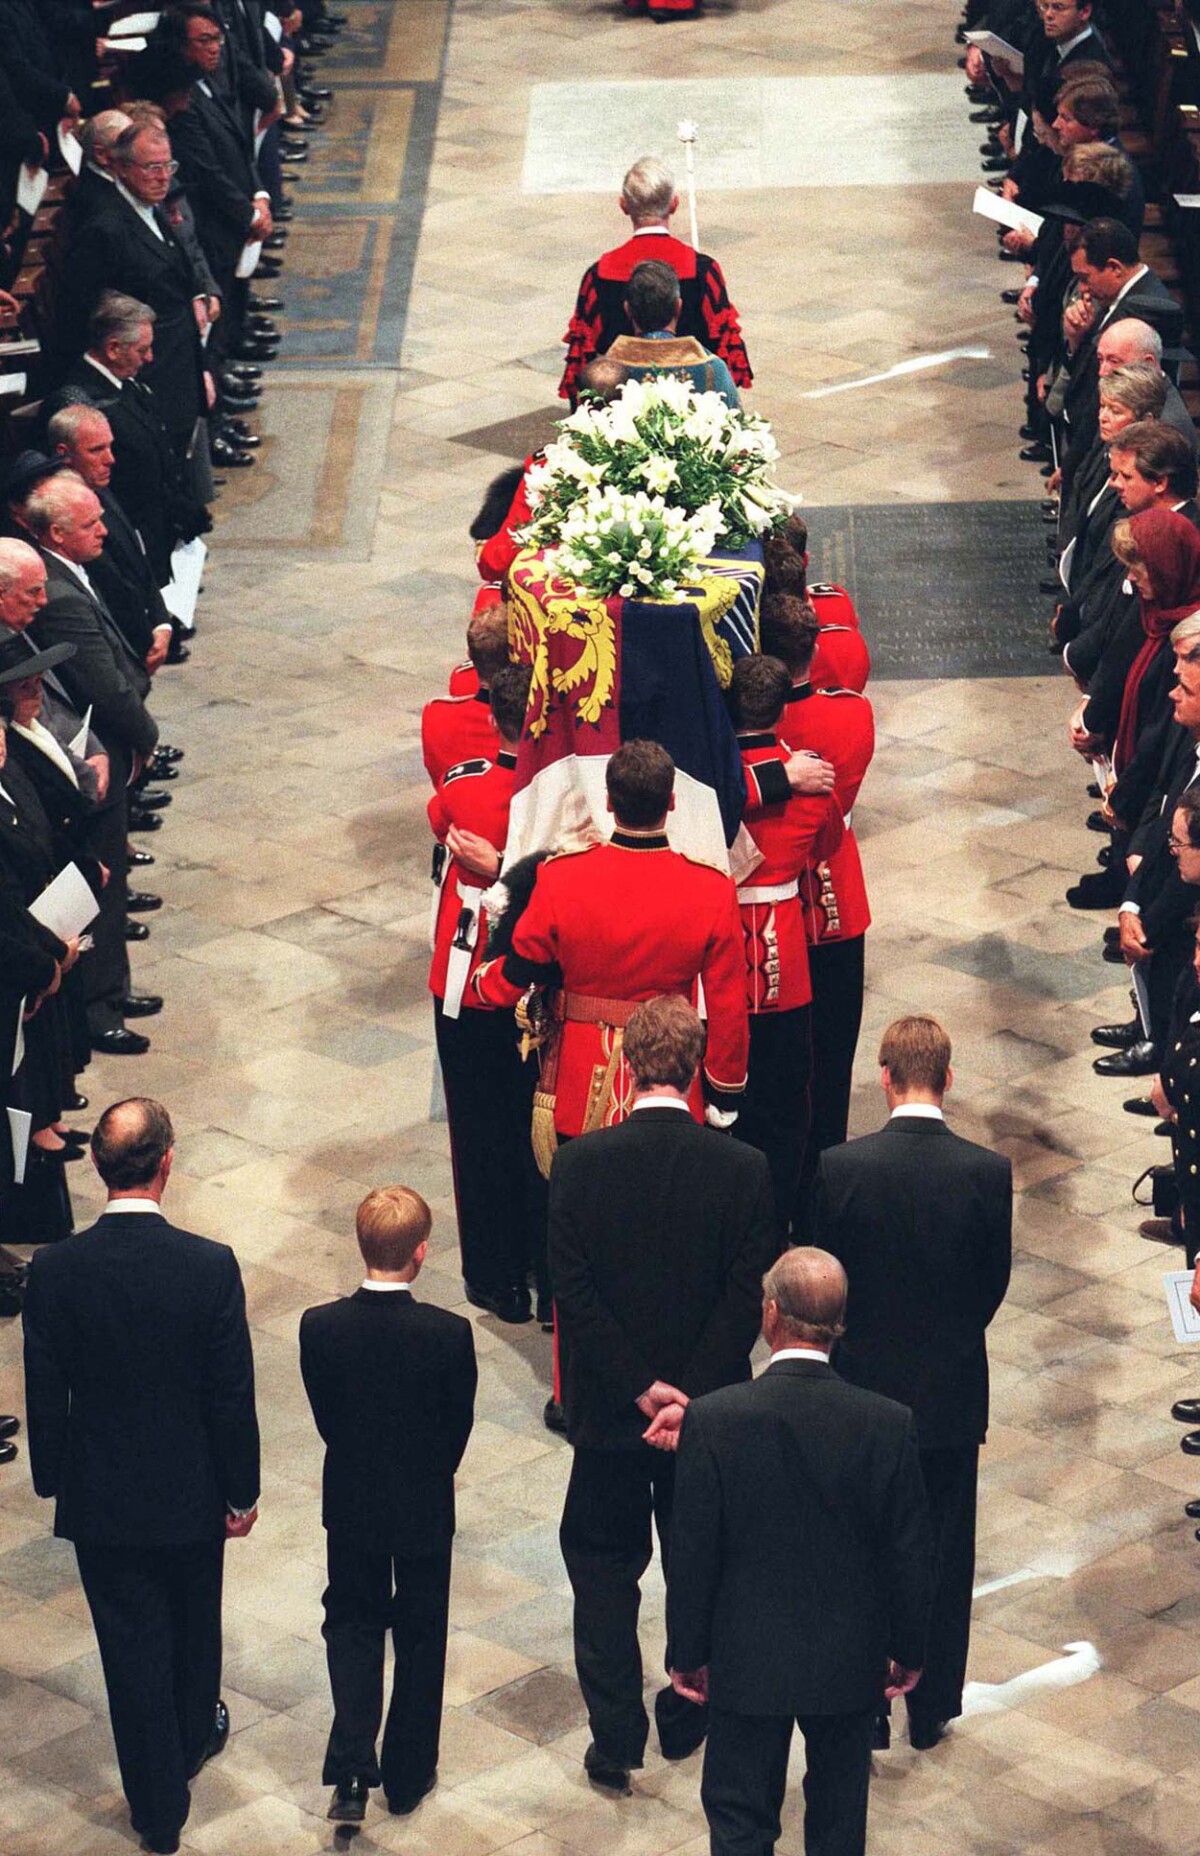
x=139 y=1385
x=391 y=1382
x=800 y=1568
x=659 y=1233
x=126 y=243
x=921 y=1220
x=65 y=520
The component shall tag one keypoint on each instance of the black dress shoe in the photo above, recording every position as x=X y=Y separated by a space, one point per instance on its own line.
x=177 y=653
x=1014 y=296
x=1142 y=1105
x=141 y=1005
x=267 y=269
x=138 y=860
x=119 y=1043
x=1118 y=1037
x=545 y=1313
x=76 y=1103
x=511 y=1305
x=1096 y=821
x=1184 y=1411
x=228 y=456
x=245 y=441
x=283 y=215
x=7 y=1453
x=260 y=350
x=12 y=1296
x=241 y=432
x=924 y=1732
x=9 y=1426
x=994 y=164
x=78 y=1137
x=161 y=1842
x=294 y=157
x=275 y=241
x=314 y=93
x=881 y=1733
x=1190 y=1445
x=349 y=1804
x=240 y=402
x=406 y=1802
x=243 y=370
x=1037 y=453
x=150 y=799
x=554 y=1418
x=1028 y=431
x=263 y=329
x=265 y=305
x=1112 y=937
x=140 y=820
x=608 y=1773
x=1099 y=889
x=136 y=931
x=141 y=902
x=216 y=1740
x=1141 y=1059
x=1192 y=1509
x=985 y=115
x=1114 y=956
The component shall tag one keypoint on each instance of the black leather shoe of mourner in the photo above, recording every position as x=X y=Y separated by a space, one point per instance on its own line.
x=349 y=1804
x=141 y=1005
x=554 y=1418
x=1184 y=1411
x=1192 y=1509
x=119 y=1043
x=1141 y=1059
x=405 y=1803
x=9 y=1426
x=1190 y=1445
x=138 y=860
x=607 y=1773
x=142 y=902
x=8 y=1451
x=136 y=931
x=1118 y=1037
x=925 y=1733
x=511 y=1305
x=216 y=1740
x=881 y=1733
x=143 y=821
x=1142 y=1105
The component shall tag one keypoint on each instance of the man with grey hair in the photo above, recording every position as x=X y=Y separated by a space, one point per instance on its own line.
x=649 y=198
x=22 y=596
x=66 y=522
x=1123 y=344
x=98 y=137
x=800 y=1573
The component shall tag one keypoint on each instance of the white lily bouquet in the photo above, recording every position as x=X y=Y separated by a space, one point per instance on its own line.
x=632 y=496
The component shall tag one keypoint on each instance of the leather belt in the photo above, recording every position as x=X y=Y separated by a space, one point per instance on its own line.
x=579 y=1008
x=769 y=892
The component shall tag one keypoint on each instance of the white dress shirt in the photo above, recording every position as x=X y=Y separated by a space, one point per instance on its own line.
x=145 y=213
x=385 y=1288
x=925 y=1111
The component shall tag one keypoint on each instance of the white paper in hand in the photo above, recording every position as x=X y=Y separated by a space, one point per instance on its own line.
x=179 y=594
x=19 y=1040
x=78 y=743
x=1184 y=1319
x=12 y=386
x=31 y=185
x=247 y=264
x=133 y=24
x=70 y=149
x=20 y=1122
x=1003 y=212
x=67 y=905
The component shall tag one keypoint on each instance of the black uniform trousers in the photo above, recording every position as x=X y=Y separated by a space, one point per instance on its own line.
x=745 y=1778
x=499 y=1194
x=605 y=1535
x=372 y=1591
x=837 y=969
x=950 y=1484
x=157 y=1616
x=775 y=1110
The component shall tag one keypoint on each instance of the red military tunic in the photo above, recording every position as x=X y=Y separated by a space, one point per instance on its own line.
x=790 y=835
x=707 y=314
x=840 y=726
x=476 y=797
x=622 y=922
x=463 y=679
x=455 y=729
x=841 y=660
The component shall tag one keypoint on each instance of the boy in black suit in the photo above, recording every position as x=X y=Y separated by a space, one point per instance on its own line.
x=922 y=1222
x=391 y=1383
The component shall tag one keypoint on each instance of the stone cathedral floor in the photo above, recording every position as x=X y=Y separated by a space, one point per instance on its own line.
x=295 y=1050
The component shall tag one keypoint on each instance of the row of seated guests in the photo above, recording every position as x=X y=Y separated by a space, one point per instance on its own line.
x=594 y=931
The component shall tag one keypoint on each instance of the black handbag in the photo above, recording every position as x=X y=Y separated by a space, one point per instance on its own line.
x=1164 y=1190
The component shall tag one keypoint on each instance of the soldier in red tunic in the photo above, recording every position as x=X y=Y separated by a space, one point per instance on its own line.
x=839 y=726
x=499 y=1195
x=649 y=199
x=458 y=727
x=618 y=923
x=790 y=835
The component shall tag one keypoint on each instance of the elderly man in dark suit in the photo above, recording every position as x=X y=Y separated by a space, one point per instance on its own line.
x=391 y=1382
x=922 y=1222
x=799 y=1583
x=659 y=1233
x=142 y=1429
x=65 y=520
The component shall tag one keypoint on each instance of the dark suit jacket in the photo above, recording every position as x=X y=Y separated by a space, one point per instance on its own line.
x=660 y=1231
x=391 y=1382
x=1148 y=301
x=921 y=1221
x=113 y=249
x=801 y=1556
x=139 y=1383
x=104 y=671
x=125 y=581
x=219 y=177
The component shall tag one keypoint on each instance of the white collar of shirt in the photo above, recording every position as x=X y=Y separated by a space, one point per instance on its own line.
x=100 y=368
x=134 y=1203
x=928 y=1111
x=102 y=172
x=1141 y=271
x=7 y=796
x=659 y=1102
x=144 y=212
x=1068 y=45
x=651 y=231
x=44 y=740
x=73 y=567
x=385 y=1288
x=800 y=1353
x=202 y=84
